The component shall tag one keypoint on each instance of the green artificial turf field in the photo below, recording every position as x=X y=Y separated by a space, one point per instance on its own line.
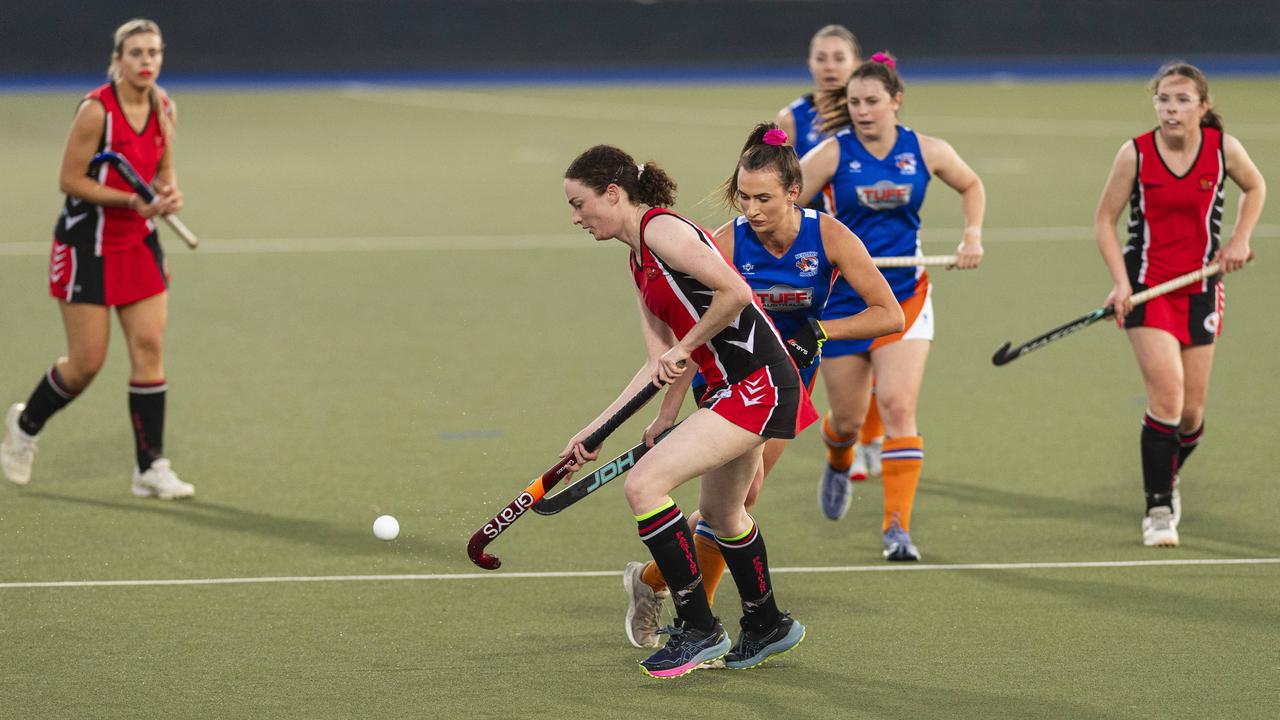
x=391 y=313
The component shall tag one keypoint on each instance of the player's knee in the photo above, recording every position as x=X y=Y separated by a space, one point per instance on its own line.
x=635 y=489
x=897 y=412
x=80 y=368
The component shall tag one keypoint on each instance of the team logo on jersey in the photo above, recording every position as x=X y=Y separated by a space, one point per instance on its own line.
x=652 y=271
x=884 y=195
x=785 y=298
x=1207 y=182
x=807 y=263
x=906 y=163
x=813 y=136
x=855 y=166
x=748 y=268
x=1211 y=322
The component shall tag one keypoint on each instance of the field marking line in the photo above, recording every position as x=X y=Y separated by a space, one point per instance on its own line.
x=611 y=573
x=592 y=110
x=568 y=241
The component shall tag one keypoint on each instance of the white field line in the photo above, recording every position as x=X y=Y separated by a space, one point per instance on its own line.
x=506 y=103
x=578 y=241
x=614 y=573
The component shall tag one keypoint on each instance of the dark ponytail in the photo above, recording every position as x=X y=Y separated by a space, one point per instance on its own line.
x=767 y=148
x=605 y=165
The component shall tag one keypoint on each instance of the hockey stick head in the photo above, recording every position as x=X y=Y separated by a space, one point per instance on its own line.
x=475 y=551
x=1003 y=355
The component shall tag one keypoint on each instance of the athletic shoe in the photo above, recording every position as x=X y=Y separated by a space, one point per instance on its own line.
x=18 y=449
x=872 y=451
x=644 y=607
x=897 y=544
x=1176 y=502
x=686 y=650
x=160 y=481
x=858 y=472
x=834 y=492
x=756 y=646
x=1158 y=529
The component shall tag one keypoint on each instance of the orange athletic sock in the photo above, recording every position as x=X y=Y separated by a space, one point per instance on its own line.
x=710 y=560
x=839 y=449
x=872 y=428
x=902 y=459
x=652 y=577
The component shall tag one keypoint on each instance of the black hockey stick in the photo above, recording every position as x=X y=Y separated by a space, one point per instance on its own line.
x=588 y=484
x=1007 y=354
x=144 y=191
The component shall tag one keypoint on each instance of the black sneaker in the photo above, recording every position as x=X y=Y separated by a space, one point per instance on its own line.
x=687 y=648
x=756 y=646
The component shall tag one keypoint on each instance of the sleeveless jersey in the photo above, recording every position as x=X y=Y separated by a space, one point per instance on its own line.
x=804 y=113
x=749 y=343
x=1175 y=221
x=880 y=200
x=112 y=229
x=791 y=288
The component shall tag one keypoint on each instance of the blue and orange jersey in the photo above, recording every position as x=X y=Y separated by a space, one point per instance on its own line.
x=749 y=343
x=879 y=199
x=1175 y=221
x=791 y=288
x=116 y=228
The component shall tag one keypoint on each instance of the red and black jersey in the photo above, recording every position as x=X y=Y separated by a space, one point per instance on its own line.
x=749 y=343
x=107 y=230
x=1175 y=221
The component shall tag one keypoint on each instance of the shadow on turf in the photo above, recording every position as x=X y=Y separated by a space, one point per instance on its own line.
x=225 y=518
x=1204 y=531
x=1142 y=599
x=770 y=691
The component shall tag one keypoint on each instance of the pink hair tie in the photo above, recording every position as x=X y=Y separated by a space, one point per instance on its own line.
x=775 y=137
x=886 y=59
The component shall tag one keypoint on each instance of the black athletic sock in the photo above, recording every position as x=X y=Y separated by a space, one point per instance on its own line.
x=1187 y=443
x=666 y=532
x=749 y=564
x=50 y=396
x=146 y=412
x=1159 y=461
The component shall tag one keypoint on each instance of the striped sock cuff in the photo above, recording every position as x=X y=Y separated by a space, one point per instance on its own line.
x=1192 y=438
x=654 y=522
x=830 y=438
x=1158 y=425
x=903 y=448
x=147 y=388
x=742 y=540
x=704 y=530
x=59 y=385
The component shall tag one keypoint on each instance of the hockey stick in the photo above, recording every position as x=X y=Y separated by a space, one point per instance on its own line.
x=145 y=191
x=541 y=484
x=913 y=260
x=588 y=484
x=1005 y=354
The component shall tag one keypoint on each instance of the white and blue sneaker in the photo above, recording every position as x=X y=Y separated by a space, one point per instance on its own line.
x=898 y=546
x=756 y=646
x=834 y=492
